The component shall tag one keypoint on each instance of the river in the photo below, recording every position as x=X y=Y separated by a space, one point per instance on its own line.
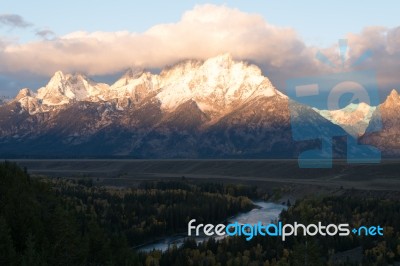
x=265 y=212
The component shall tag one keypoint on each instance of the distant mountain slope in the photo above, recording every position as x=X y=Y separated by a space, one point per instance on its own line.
x=387 y=139
x=354 y=118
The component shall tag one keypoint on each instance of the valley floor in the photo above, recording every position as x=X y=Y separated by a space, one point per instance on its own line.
x=274 y=173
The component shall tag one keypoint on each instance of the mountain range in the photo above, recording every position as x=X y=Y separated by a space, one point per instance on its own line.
x=216 y=108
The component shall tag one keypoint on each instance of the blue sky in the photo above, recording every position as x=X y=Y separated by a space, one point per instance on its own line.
x=104 y=38
x=319 y=23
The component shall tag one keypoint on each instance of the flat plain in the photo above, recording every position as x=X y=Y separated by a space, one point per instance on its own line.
x=128 y=172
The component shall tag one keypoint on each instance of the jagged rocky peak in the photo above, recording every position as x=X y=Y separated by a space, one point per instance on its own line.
x=28 y=102
x=217 y=84
x=127 y=77
x=56 y=78
x=78 y=77
x=384 y=128
x=70 y=79
x=392 y=98
x=134 y=86
x=60 y=79
x=389 y=111
x=394 y=93
x=25 y=92
x=64 y=88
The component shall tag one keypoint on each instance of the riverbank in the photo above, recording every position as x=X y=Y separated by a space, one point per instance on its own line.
x=265 y=212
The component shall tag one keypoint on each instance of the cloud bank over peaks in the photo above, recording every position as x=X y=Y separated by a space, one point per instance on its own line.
x=203 y=32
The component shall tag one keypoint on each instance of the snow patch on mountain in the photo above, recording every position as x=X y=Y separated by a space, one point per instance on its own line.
x=354 y=118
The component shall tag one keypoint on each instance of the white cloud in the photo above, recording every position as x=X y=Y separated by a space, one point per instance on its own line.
x=384 y=45
x=203 y=32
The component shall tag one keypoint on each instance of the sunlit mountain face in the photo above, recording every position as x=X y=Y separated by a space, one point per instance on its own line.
x=387 y=138
x=217 y=108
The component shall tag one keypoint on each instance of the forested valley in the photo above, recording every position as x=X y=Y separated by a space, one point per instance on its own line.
x=55 y=221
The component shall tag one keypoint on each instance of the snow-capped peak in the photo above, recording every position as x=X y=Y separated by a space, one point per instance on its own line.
x=393 y=98
x=25 y=92
x=56 y=79
x=354 y=118
x=62 y=88
x=391 y=103
x=128 y=76
x=133 y=86
x=217 y=84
